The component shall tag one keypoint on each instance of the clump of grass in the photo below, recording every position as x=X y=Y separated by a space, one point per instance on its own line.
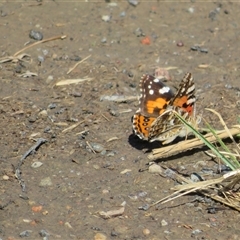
x=228 y=185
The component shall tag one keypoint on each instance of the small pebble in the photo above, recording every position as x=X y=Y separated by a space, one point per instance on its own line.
x=45 y=52
x=32 y=119
x=197 y=231
x=133 y=2
x=104 y=40
x=97 y=147
x=155 y=168
x=52 y=105
x=45 y=182
x=106 y=18
x=204 y=50
x=25 y=233
x=43 y=233
x=164 y=223
x=139 y=32
x=76 y=94
x=100 y=236
x=3 y=14
x=146 y=231
x=180 y=44
x=169 y=173
x=142 y=194
x=67 y=224
x=43 y=113
x=196 y=177
x=36 y=164
x=40 y=59
x=114 y=233
x=122 y=14
x=36 y=35
x=111 y=154
x=191 y=10
x=145 y=207
x=49 y=79
x=5 y=177
x=228 y=86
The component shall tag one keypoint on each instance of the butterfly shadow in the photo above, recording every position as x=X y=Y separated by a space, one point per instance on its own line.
x=140 y=144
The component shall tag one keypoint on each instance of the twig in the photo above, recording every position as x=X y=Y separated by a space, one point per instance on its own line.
x=71 y=69
x=39 y=42
x=89 y=145
x=105 y=117
x=32 y=149
x=72 y=127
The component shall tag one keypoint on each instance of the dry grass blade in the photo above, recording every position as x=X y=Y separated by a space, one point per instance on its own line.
x=19 y=57
x=39 y=42
x=14 y=59
x=224 y=124
x=72 y=81
x=205 y=187
x=71 y=69
x=190 y=144
x=72 y=127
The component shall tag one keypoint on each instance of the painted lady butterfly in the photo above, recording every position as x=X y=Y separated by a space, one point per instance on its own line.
x=155 y=119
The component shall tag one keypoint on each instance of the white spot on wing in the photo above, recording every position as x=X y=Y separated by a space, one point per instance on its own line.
x=151 y=92
x=164 y=90
x=156 y=80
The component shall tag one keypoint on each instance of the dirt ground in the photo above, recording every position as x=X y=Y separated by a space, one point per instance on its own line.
x=63 y=196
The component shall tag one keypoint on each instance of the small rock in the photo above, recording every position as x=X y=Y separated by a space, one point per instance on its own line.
x=100 y=236
x=67 y=224
x=113 y=4
x=180 y=44
x=164 y=223
x=197 y=231
x=122 y=14
x=43 y=233
x=32 y=119
x=139 y=32
x=229 y=86
x=145 y=207
x=146 y=231
x=133 y=2
x=25 y=233
x=36 y=164
x=40 y=59
x=45 y=52
x=114 y=233
x=5 y=177
x=155 y=168
x=111 y=154
x=36 y=35
x=52 y=105
x=97 y=147
x=106 y=18
x=191 y=10
x=104 y=40
x=76 y=94
x=3 y=14
x=196 y=177
x=43 y=113
x=45 y=182
x=49 y=79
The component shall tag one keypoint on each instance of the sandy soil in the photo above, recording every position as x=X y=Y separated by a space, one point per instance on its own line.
x=63 y=196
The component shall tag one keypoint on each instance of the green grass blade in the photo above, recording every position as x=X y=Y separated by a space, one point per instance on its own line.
x=207 y=143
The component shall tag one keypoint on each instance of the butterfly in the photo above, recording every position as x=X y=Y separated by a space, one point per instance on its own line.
x=156 y=119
